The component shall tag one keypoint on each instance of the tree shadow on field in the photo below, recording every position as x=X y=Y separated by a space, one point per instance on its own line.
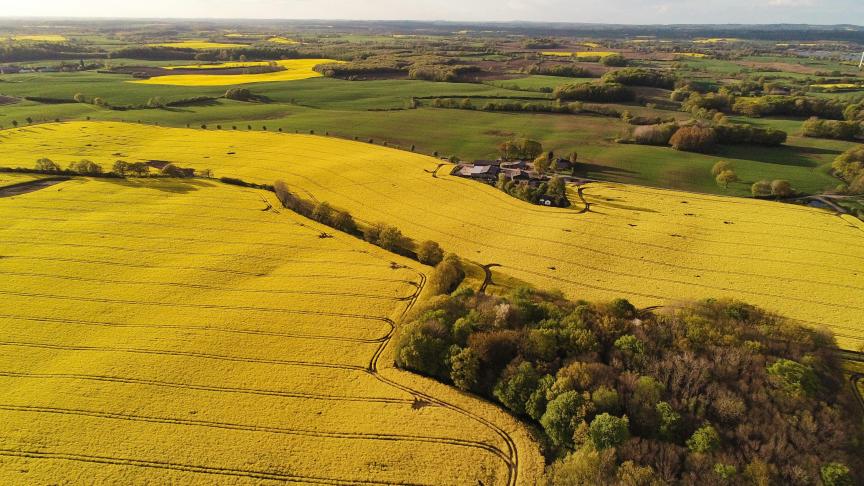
x=163 y=184
x=792 y=155
x=587 y=169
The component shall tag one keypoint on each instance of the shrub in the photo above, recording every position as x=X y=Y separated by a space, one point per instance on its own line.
x=429 y=253
x=693 y=139
x=446 y=275
x=850 y=167
x=86 y=167
x=343 y=221
x=654 y=134
x=238 y=94
x=761 y=188
x=719 y=167
x=781 y=188
x=323 y=213
x=171 y=170
x=120 y=168
x=47 y=165
x=726 y=177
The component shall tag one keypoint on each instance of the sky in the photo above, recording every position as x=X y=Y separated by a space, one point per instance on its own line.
x=595 y=11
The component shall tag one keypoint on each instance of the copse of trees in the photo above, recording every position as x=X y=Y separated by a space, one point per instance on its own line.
x=701 y=137
x=441 y=72
x=598 y=92
x=429 y=253
x=554 y=190
x=85 y=167
x=708 y=390
x=739 y=133
x=708 y=101
x=658 y=134
x=571 y=70
x=614 y=60
x=520 y=149
x=47 y=165
x=389 y=238
x=834 y=129
x=239 y=94
x=640 y=77
x=779 y=105
x=694 y=138
x=849 y=166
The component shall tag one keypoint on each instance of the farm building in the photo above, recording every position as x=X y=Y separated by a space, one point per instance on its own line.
x=487 y=173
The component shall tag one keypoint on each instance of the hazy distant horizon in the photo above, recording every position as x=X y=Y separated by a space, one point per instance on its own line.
x=626 y=12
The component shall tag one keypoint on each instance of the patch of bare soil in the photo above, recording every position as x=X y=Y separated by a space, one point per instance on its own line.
x=8 y=100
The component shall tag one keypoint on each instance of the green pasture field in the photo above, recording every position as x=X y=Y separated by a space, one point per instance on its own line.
x=380 y=110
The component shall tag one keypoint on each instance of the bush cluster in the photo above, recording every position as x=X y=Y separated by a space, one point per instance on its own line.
x=836 y=129
x=599 y=91
x=641 y=77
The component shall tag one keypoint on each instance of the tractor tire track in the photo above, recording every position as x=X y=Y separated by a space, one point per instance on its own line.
x=249 y=428
x=243 y=473
x=257 y=332
x=190 y=354
x=194 y=305
x=208 y=388
x=510 y=456
x=206 y=287
x=181 y=267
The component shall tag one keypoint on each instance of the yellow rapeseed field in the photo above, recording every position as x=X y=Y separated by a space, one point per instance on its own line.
x=40 y=38
x=199 y=45
x=294 y=69
x=578 y=53
x=836 y=86
x=8 y=179
x=282 y=40
x=162 y=331
x=223 y=65
x=716 y=40
x=650 y=245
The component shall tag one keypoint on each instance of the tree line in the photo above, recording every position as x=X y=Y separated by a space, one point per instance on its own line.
x=380 y=234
